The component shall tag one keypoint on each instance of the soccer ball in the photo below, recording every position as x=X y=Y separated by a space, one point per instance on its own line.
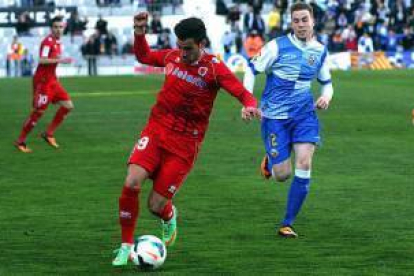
x=149 y=252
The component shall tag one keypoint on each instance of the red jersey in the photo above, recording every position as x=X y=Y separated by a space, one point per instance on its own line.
x=50 y=48
x=186 y=99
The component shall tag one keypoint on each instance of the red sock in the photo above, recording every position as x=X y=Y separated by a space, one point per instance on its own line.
x=59 y=117
x=128 y=213
x=167 y=213
x=29 y=124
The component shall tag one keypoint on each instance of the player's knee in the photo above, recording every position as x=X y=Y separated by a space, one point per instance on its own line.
x=281 y=176
x=303 y=164
x=132 y=181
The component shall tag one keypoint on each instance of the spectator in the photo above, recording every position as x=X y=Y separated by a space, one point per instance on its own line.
x=101 y=26
x=14 y=56
x=227 y=42
x=253 y=43
x=233 y=15
x=221 y=8
x=175 y=4
x=27 y=64
x=381 y=38
x=366 y=49
x=274 y=22
x=238 y=40
x=164 y=40
x=337 y=43
x=156 y=25
x=410 y=19
x=128 y=48
x=75 y=25
x=24 y=24
x=392 y=41
x=349 y=37
x=256 y=5
x=341 y=21
x=398 y=16
x=365 y=44
x=253 y=21
x=110 y=44
x=90 y=51
x=323 y=37
x=407 y=42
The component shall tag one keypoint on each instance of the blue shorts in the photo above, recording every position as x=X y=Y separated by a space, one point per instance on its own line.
x=280 y=135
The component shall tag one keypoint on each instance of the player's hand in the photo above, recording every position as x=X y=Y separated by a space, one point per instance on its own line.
x=66 y=60
x=249 y=113
x=140 y=23
x=322 y=102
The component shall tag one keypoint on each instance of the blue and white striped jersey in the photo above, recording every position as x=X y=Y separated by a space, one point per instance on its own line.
x=290 y=66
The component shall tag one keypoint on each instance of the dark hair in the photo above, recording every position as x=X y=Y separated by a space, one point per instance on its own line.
x=191 y=27
x=56 y=19
x=300 y=6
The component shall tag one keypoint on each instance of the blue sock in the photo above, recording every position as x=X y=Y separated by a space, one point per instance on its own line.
x=297 y=194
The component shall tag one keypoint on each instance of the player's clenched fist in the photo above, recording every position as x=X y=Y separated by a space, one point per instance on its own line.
x=140 y=22
x=249 y=113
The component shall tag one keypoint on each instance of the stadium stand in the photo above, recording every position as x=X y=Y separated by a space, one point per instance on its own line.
x=340 y=25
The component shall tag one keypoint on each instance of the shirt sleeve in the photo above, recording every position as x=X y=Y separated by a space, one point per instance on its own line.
x=324 y=74
x=229 y=82
x=266 y=57
x=324 y=77
x=45 y=49
x=145 y=55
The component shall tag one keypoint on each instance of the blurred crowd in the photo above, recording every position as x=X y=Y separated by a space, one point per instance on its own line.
x=343 y=25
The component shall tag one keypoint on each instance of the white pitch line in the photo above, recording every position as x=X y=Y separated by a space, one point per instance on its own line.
x=110 y=94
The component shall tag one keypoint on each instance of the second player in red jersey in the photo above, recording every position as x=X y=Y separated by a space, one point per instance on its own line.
x=47 y=89
x=169 y=144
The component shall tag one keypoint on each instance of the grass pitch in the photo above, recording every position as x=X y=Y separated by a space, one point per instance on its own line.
x=59 y=207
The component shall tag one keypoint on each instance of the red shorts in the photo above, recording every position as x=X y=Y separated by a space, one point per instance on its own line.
x=167 y=157
x=46 y=92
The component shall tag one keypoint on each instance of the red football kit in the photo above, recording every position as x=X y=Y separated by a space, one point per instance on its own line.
x=46 y=88
x=169 y=144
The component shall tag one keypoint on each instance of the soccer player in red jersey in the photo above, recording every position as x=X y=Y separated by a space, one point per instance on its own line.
x=47 y=89
x=169 y=143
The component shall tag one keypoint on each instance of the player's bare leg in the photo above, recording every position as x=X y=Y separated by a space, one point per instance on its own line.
x=48 y=135
x=299 y=187
x=28 y=126
x=129 y=212
x=163 y=208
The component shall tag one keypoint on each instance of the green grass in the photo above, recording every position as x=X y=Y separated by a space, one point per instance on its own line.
x=58 y=209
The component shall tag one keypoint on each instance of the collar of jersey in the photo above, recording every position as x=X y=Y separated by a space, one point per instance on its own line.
x=299 y=43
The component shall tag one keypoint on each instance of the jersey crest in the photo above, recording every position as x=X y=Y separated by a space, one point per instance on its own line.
x=202 y=71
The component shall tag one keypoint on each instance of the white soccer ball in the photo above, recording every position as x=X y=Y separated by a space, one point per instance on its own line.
x=149 y=252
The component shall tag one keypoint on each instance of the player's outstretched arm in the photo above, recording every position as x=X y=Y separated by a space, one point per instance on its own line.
x=142 y=51
x=55 y=60
x=231 y=84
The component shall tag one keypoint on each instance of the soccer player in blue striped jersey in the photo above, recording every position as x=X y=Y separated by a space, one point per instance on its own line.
x=289 y=120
